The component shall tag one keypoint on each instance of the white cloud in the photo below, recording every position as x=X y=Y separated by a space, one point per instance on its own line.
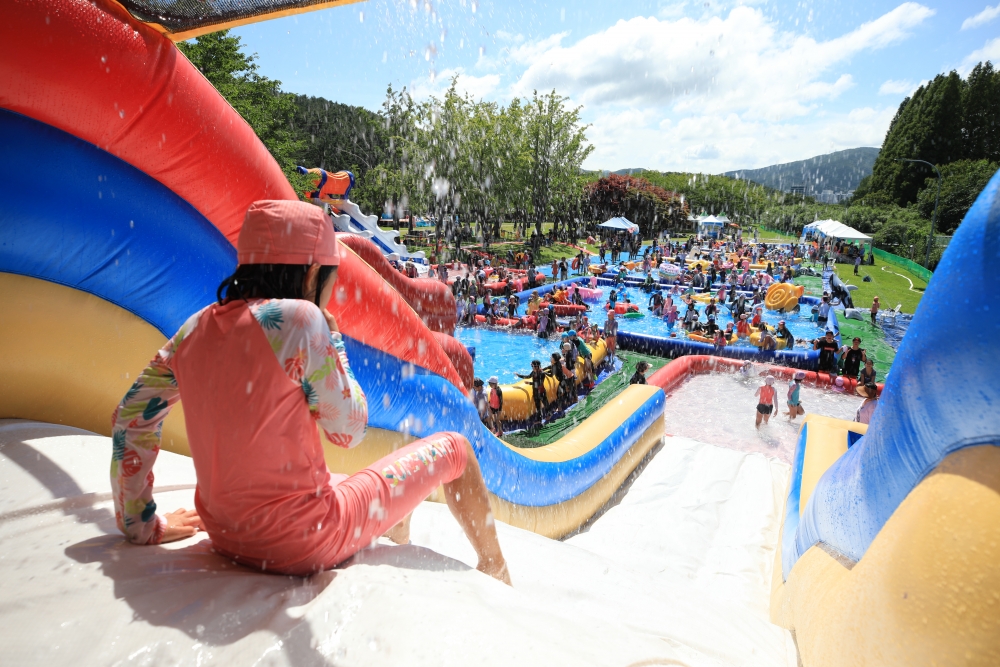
x=990 y=51
x=982 y=18
x=742 y=62
x=713 y=143
x=477 y=87
x=892 y=87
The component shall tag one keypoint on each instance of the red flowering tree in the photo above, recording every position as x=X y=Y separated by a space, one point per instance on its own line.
x=651 y=207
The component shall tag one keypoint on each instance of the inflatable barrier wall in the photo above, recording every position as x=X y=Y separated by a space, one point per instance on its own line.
x=891 y=536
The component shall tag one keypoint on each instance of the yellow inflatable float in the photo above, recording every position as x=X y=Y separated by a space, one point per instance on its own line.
x=783 y=296
x=755 y=340
x=518 y=401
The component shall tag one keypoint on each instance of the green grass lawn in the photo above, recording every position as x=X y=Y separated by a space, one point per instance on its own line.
x=773 y=237
x=891 y=284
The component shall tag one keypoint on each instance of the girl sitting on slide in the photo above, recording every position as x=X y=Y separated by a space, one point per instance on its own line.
x=258 y=372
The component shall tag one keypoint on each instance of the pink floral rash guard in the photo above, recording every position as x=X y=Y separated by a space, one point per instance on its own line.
x=311 y=356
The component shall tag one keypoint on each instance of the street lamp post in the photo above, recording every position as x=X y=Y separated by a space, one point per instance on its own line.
x=937 y=197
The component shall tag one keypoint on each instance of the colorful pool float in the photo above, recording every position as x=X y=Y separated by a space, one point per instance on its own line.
x=783 y=297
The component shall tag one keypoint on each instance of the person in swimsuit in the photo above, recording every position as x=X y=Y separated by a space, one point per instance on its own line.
x=827 y=347
x=853 y=357
x=794 y=401
x=494 y=397
x=874 y=310
x=264 y=493
x=765 y=404
x=867 y=373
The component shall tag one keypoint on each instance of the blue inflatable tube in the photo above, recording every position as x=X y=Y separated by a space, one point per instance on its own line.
x=409 y=399
x=942 y=395
x=672 y=348
x=103 y=227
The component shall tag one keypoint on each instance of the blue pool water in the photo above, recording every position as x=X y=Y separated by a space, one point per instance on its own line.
x=503 y=353
x=799 y=323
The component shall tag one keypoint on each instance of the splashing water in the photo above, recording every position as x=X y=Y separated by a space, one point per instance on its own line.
x=719 y=409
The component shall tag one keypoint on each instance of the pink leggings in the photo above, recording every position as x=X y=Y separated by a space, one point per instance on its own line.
x=370 y=502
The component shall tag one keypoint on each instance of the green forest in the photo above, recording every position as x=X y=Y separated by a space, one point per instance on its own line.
x=473 y=165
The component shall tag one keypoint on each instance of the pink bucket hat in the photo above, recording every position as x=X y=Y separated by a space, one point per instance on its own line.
x=287 y=232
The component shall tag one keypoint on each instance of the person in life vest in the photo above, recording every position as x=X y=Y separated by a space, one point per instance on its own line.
x=765 y=404
x=258 y=371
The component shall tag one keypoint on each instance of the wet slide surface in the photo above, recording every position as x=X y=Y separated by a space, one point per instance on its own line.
x=645 y=584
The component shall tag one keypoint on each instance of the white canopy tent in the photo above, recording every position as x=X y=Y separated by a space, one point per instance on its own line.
x=623 y=224
x=834 y=229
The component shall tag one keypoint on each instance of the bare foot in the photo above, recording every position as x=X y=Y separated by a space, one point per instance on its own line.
x=400 y=533
x=496 y=569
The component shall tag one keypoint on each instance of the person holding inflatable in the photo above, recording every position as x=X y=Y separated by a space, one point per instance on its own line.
x=257 y=372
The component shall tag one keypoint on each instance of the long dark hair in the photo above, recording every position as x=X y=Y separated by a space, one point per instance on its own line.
x=270 y=281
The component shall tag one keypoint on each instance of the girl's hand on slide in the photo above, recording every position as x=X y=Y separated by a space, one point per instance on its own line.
x=330 y=321
x=181 y=524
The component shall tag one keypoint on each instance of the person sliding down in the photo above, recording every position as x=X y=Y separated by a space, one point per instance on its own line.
x=257 y=372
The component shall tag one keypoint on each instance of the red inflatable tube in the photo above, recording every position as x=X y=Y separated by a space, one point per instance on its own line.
x=90 y=69
x=379 y=317
x=676 y=372
x=622 y=308
x=460 y=357
x=431 y=299
x=497 y=287
x=565 y=308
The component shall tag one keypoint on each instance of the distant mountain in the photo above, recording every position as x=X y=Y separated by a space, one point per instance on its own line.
x=840 y=172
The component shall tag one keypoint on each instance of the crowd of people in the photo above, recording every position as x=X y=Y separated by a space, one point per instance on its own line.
x=739 y=272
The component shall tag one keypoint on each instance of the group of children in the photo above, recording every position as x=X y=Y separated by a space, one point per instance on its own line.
x=575 y=355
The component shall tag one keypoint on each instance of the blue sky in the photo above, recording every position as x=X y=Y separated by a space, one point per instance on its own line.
x=671 y=85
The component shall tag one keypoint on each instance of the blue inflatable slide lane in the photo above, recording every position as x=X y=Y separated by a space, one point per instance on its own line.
x=890 y=549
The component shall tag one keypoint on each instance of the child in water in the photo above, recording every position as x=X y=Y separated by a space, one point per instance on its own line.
x=794 y=402
x=765 y=404
x=265 y=495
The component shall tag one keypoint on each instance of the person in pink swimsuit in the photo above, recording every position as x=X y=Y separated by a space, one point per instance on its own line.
x=258 y=372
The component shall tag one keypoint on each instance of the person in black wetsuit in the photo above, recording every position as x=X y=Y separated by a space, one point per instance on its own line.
x=828 y=348
x=853 y=357
x=537 y=377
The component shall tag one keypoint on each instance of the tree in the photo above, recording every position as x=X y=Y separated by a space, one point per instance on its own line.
x=981 y=114
x=961 y=183
x=256 y=98
x=557 y=146
x=927 y=127
x=651 y=207
x=339 y=137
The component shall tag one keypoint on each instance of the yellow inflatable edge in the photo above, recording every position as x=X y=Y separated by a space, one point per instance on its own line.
x=927 y=591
